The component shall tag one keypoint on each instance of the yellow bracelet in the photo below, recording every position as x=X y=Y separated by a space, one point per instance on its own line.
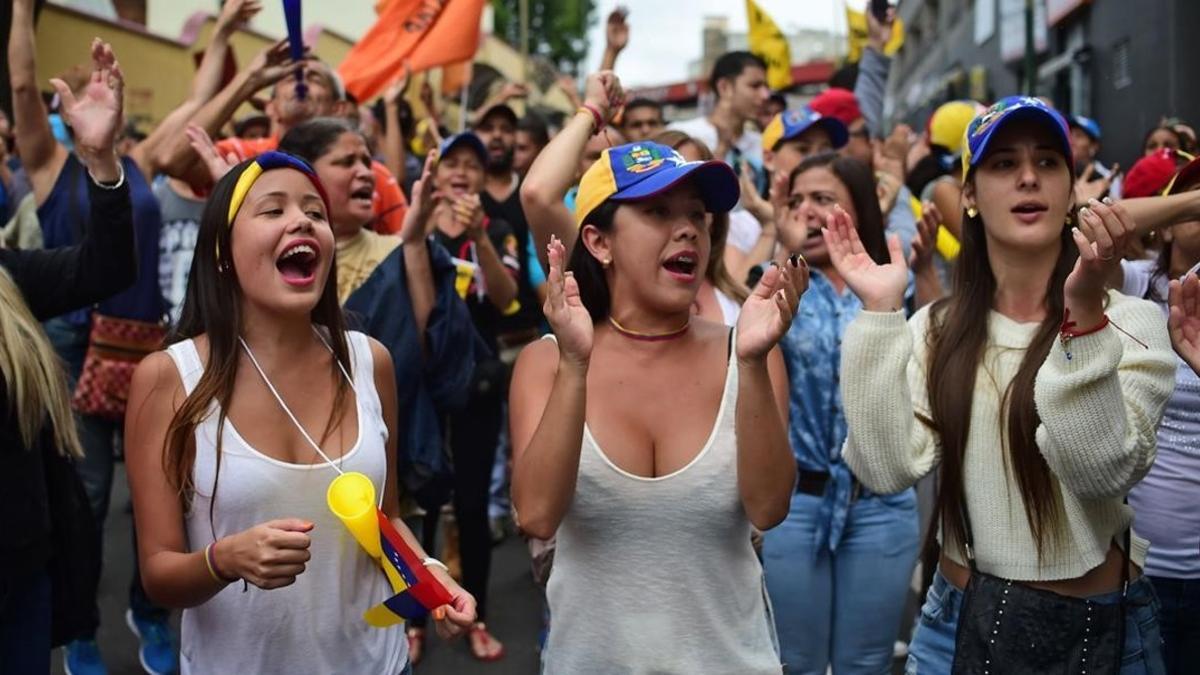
x=208 y=562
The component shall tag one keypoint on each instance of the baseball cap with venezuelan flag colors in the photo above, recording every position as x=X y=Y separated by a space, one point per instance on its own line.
x=981 y=129
x=791 y=123
x=637 y=171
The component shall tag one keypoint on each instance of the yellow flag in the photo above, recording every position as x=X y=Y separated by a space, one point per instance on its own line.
x=768 y=42
x=856 y=34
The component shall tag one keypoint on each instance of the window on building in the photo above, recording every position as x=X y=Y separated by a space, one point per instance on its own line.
x=1122 y=72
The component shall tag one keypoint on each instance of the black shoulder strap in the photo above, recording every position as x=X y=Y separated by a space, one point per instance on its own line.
x=75 y=172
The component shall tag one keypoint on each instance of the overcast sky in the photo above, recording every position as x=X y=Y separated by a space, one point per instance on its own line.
x=665 y=34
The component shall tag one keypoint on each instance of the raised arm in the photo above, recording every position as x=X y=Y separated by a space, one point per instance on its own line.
x=205 y=84
x=417 y=269
x=499 y=276
x=882 y=372
x=393 y=135
x=553 y=172
x=547 y=402
x=1100 y=396
x=766 y=468
x=105 y=261
x=1152 y=213
x=873 y=72
x=616 y=37
x=272 y=64
x=509 y=91
x=41 y=155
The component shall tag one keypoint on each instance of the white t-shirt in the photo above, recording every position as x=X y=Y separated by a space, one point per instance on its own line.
x=744 y=230
x=749 y=144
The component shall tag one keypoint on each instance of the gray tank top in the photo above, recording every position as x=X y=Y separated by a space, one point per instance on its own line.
x=657 y=575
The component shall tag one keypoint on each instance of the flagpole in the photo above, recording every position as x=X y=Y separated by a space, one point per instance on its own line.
x=524 y=12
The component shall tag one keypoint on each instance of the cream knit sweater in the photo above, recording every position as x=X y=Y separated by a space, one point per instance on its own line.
x=1099 y=412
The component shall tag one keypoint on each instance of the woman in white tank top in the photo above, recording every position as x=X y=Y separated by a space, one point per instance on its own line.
x=649 y=440
x=228 y=485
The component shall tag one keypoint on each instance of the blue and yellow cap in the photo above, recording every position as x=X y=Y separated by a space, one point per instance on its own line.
x=791 y=123
x=981 y=129
x=636 y=171
x=1090 y=126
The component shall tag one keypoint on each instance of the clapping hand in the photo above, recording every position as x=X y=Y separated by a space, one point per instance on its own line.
x=603 y=91
x=1184 y=322
x=925 y=242
x=879 y=287
x=564 y=310
x=767 y=313
x=1103 y=235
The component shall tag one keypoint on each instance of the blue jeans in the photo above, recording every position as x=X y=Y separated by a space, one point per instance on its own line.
x=1179 y=619
x=931 y=651
x=842 y=608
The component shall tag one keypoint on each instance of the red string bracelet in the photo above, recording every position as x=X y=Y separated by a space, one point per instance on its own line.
x=1068 y=331
x=597 y=118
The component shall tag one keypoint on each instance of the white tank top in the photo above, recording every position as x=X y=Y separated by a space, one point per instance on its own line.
x=657 y=575
x=315 y=625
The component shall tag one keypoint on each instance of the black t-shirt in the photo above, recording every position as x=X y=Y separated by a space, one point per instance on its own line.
x=510 y=211
x=470 y=282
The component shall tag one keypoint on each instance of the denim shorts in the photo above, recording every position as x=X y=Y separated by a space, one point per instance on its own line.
x=931 y=651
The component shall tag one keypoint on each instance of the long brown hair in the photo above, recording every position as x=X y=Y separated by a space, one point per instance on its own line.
x=212 y=307
x=717 y=274
x=957 y=339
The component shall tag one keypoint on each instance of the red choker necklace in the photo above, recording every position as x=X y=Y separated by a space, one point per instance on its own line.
x=649 y=337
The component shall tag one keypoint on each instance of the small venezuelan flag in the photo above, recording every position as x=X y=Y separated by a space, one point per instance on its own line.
x=418 y=592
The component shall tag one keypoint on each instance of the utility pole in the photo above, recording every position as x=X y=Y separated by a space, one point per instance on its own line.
x=523 y=9
x=1030 y=52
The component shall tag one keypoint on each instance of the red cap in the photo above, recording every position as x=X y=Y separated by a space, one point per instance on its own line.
x=839 y=104
x=1150 y=175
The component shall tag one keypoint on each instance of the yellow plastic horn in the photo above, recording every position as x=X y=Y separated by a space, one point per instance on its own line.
x=351 y=497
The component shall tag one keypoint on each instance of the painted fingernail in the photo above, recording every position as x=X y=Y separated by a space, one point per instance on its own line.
x=794 y=260
x=1093 y=201
x=774 y=264
x=1108 y=200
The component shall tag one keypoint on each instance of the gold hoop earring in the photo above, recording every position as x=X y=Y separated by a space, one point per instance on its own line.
x=971 y=212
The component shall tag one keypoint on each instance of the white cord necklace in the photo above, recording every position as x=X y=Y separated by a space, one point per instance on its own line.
x=287 y=410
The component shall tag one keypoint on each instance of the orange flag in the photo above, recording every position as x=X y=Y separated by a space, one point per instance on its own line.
x=425 y=33
x=455 y=76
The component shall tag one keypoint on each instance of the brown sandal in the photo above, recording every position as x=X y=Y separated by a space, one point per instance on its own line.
x=480 y=630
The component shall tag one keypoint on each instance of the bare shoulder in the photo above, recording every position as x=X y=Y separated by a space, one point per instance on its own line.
x=381 y=358
x=538 y=359
x=156 y=373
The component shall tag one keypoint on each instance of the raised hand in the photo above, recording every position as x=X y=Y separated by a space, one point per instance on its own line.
x=616 y=31
x=879 y=287
x=762 y=210
x=424 y=199
x=271 y=64
x=270 y=555
x=925 y=242
x=217 y=164
x=400 y=85
x=96 y=114
x=1103 y=235
x=1184 y=321
x=1087 y=189
x=512 y=90
x=603 y=91
x=767 y=313
x=564 y=310
x=879 y=33
x=237 y=12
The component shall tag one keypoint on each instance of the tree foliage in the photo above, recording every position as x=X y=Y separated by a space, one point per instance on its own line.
x=557 y=29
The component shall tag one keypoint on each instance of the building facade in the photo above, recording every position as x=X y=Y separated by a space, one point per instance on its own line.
x=1124 y=63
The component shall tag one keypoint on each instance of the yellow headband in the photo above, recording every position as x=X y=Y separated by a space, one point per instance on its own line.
x=244 y=183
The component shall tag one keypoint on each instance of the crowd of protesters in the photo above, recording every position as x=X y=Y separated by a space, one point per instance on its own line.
x=755 y=377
